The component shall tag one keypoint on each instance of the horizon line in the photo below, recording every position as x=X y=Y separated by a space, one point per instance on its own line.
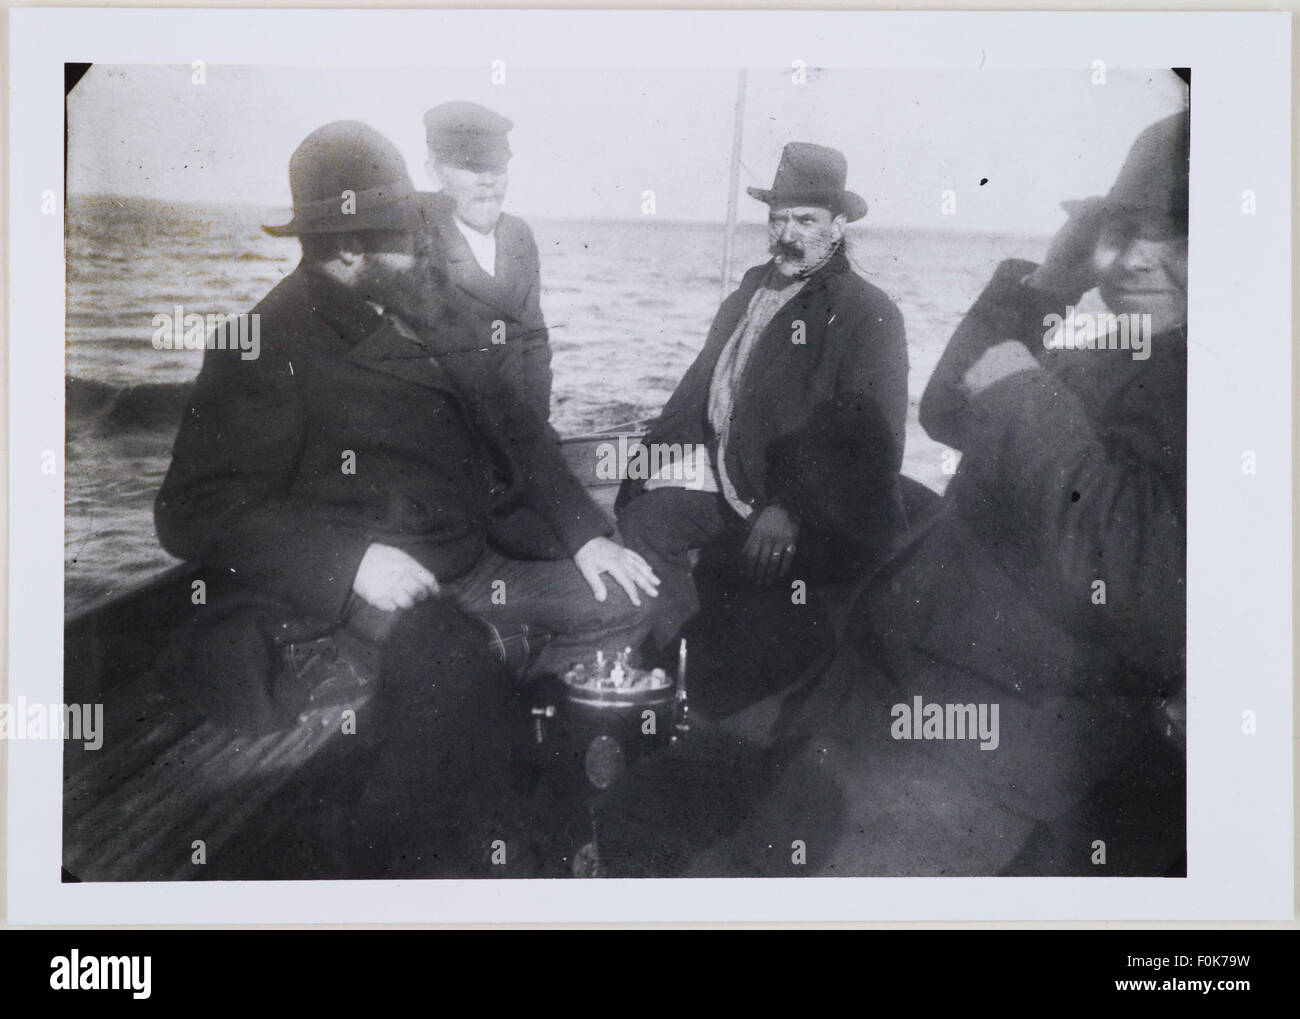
x=547 y=217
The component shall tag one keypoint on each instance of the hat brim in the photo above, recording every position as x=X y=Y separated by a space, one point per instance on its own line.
x=851 y=205
x=1077 y=206
x=1098 y=205
x=400 y=213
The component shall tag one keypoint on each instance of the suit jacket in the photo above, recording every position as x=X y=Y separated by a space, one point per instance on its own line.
x=512 y=296
x=257 y=487
x=817 y=426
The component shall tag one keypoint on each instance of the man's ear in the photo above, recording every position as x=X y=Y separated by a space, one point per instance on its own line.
x=431 y=168
x=837 y=226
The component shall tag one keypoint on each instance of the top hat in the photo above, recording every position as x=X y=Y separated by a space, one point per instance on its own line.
x=468 y=135
x=348 y=156
x=812 y=175
x=1153 y=178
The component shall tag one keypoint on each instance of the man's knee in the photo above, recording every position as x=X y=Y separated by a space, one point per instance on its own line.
x=616 y=612
x=435 y=640
x=652 y=521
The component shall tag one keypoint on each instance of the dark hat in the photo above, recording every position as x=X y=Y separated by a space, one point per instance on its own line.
x=348 y=156
x=1153 y=178
x=468 y=135
x=812 y=175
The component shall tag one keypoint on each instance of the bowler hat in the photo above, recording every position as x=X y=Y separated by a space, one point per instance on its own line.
x=347 y=177
x=812 y=175
x=468 y=135
x=1153 y=178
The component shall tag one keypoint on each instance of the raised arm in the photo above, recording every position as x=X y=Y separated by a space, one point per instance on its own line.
x=1087 y=496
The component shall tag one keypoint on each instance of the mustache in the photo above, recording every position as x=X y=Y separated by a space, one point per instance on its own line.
x=789 y=249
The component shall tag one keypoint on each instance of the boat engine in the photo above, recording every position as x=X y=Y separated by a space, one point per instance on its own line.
x=603 y=717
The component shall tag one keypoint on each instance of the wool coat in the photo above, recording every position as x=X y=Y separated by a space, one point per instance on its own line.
x=818 y=420
x=518 y=350
x=346 y=431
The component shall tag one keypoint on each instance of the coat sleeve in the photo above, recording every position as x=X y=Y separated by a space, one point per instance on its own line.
x=536 y=341
x=1087 y=500
x=546 y=483
x=682 y=419
x=226 y=504
x=1006 y=310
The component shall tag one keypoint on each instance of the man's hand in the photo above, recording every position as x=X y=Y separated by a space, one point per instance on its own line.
x=389 y=579
x=769 y=549
x=600 y=555
x=1068 y=271
x=996 y=363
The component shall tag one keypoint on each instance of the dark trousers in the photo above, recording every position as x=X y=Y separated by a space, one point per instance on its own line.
x=441 y=791
x=552 y=596
x=746 y=641
x=445 y=790
x=664 y=525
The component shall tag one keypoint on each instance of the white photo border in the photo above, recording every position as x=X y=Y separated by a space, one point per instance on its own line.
x=1239 y=591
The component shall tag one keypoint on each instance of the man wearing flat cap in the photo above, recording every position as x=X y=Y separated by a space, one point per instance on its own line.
x=491 y=256
x=344 y=477
x=794 y=407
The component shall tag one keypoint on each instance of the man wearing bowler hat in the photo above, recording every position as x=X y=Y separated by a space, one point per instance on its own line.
x=793 y=412
x=491 y=256
x=344 y=479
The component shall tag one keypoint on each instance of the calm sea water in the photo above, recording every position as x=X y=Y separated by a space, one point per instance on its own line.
x=629 y=304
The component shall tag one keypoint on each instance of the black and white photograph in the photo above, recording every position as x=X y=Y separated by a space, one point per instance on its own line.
x=756 y=468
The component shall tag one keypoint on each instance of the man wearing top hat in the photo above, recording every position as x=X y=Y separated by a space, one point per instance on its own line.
x=1050 y=585
x=491 y=256
x=343 y=478
x=795 y=407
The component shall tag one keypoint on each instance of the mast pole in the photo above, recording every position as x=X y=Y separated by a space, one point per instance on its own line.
x=729 y=238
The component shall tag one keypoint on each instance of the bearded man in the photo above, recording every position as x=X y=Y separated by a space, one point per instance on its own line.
x=343 y=478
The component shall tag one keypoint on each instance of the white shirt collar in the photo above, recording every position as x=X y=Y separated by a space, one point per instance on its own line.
x=482 y=246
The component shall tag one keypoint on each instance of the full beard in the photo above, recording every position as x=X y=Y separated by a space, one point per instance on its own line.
x=422 y=297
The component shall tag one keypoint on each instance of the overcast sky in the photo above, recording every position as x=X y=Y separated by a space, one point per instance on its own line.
x=588 y=144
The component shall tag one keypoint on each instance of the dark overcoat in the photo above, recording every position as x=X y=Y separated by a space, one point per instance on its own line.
x=1072 y=474
x=1050 y=584
x=346 y=431
x=512 y=296
x=819 y=419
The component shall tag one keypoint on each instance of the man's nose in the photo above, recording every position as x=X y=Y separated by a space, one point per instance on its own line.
x=1136 y=256
x=789 y=231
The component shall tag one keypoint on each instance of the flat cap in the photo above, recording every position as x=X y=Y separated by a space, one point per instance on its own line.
x=468 y=135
